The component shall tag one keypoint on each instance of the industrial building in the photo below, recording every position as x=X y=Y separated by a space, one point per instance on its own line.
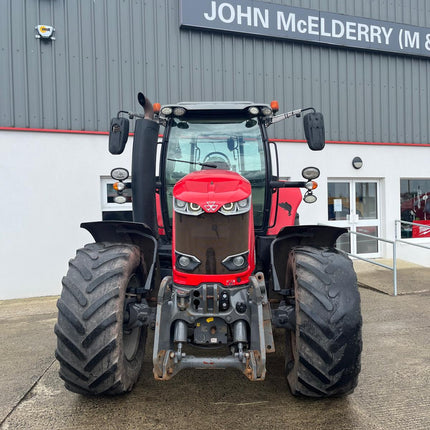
x=68 y=67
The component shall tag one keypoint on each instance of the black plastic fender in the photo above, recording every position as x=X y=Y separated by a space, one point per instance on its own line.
x=290 y=237
x=132 y=233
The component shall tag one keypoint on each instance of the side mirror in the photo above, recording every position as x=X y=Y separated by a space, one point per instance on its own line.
x=118 y=135
x=313 y=123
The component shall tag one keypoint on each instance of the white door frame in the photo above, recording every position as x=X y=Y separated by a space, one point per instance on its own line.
x=353 y=221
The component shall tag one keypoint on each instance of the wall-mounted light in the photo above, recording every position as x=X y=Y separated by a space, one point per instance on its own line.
x=45 y=32
x=357 y=162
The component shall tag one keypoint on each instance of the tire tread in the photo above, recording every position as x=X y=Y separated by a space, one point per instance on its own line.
x=89 y=328
x=328 y=335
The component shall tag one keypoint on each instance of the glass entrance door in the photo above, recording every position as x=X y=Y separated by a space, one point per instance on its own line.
x=354 y=204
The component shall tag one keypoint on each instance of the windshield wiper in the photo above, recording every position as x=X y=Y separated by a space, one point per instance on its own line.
x=213 y=166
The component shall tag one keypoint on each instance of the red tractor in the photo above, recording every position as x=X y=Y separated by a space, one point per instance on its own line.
x=212 y=261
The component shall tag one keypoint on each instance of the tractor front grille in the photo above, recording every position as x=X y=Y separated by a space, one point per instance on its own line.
x=211 y=238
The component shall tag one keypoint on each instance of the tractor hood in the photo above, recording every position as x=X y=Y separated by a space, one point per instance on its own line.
x=211 y=189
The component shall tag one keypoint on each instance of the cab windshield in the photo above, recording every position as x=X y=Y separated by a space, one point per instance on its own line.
x=204 y=144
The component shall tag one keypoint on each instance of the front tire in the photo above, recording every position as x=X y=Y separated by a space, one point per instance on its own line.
x=97 y=354
x=323 y=353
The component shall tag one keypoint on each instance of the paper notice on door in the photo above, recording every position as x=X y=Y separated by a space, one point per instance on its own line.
x=337 y=205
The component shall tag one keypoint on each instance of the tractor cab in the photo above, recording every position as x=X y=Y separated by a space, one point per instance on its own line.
x=223 y=136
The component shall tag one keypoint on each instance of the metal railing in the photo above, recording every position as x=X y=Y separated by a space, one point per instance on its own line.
x=376 y=263
x=396 y=234
x=394 y=243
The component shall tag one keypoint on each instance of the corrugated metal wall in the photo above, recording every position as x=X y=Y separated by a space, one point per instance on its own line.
x=106 y=51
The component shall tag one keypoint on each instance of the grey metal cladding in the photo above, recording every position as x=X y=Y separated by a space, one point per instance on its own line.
x=105 y=51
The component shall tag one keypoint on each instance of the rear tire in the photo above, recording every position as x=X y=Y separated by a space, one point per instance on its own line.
x=96 y=354
x=323 y=353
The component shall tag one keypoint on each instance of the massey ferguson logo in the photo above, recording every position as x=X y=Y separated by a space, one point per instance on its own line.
x=211 y=206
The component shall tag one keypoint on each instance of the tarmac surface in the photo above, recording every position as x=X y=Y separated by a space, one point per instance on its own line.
x=393 y=390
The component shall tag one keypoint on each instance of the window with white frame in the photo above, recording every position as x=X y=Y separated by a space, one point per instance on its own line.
x=415 y=207
x=112 y=211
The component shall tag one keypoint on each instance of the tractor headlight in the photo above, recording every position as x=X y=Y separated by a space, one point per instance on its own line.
x=186 y=208
x=236 y=262
x=310 y=173
x=180 y=203
x=186 y=262
x=228 y=207
x=243 y=203
x=166 y=111
x=194 y=207
x=239 y=261
x=179 y=111
x=266 y=111
x=119 y=199
x=236 y=208
x=119 y=174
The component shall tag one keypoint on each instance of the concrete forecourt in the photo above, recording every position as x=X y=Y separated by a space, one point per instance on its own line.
x=393 y=389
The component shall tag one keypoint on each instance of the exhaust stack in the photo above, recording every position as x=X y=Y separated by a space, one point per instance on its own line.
x=143 y=167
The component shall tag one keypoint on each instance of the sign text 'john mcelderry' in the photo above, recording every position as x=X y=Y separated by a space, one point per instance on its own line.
x=286 y=22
